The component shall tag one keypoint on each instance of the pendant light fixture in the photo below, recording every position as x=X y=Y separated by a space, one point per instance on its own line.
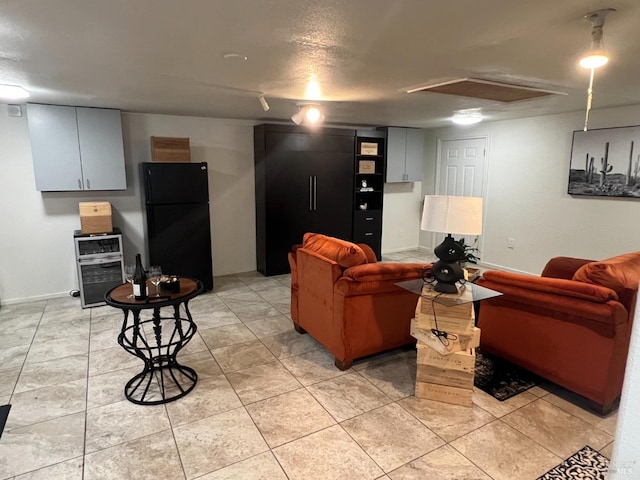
x=596 y=57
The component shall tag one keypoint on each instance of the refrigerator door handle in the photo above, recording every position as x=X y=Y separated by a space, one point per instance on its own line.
x=310 y=193
x=315 y=192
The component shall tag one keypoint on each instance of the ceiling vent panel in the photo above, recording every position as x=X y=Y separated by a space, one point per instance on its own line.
x=485 y=89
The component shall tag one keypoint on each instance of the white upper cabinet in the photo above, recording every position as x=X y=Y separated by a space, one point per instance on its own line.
x=76 y=148
x=405 y=154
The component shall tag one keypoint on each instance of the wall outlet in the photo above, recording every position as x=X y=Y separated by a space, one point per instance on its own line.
x=401 y=233
x=511 y=242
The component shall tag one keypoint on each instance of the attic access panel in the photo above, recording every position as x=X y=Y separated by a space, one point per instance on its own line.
x=487 y=90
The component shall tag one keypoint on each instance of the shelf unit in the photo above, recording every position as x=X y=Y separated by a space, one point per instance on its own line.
x=370 y=166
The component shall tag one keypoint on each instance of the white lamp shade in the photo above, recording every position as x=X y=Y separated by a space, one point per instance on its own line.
x=459 y=215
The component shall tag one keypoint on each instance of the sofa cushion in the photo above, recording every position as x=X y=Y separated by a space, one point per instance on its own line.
x=345 y=254
x=617 y=273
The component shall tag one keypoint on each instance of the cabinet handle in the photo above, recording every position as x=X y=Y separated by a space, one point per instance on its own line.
x=315 y=192
x=368 y=219
x=310 y=194
x=368 y=234
x=79 y=184
x=88 y=184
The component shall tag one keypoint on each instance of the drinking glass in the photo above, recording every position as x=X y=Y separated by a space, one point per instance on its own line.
x=155 y=274
x=129 y=271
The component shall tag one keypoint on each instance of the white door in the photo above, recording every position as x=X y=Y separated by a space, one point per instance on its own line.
x=461 y=167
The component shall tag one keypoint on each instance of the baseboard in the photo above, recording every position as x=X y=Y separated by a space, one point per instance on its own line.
x=405 y=249
x=495 y=266
x=37 y=298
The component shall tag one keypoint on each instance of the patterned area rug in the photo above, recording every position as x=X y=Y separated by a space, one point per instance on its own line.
x=4 y=413
x=585 y=464
x=501 y=379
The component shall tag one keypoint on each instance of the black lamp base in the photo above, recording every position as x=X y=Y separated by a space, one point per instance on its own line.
x=447 y=271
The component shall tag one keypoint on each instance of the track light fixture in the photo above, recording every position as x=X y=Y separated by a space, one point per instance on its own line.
x=308 y=113
x=263 y=102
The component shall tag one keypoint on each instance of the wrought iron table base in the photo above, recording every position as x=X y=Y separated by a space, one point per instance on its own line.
x=172 y=380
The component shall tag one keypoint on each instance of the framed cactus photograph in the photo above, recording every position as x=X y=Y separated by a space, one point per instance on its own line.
x=605 y=162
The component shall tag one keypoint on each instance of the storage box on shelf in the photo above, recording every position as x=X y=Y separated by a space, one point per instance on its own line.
x=95 y=217
x=170 y=149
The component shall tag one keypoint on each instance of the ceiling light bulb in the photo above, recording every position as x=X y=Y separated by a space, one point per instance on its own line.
x=313 y=114
x=594 y=61
x=13 y=92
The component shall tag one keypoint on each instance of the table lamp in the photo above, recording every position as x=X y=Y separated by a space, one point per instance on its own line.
x=449 y=214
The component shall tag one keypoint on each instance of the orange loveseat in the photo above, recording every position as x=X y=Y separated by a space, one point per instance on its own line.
x=571 y=325
x=347 y=301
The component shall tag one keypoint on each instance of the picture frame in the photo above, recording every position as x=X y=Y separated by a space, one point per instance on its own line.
x=368 y=148
x=605 y=162
x=366 y=166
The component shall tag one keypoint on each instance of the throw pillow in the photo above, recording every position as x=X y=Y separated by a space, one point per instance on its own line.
x=345 y=254
x=617 y=273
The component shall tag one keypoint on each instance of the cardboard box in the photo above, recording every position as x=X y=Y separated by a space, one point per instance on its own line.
x=170 y=149
x=95 y=217
x=453 y=343
x=464 y=361
x=443 y=393
x=457 y=319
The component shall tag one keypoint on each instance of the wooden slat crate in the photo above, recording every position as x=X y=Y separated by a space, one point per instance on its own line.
x=95 y=217
x=453 y=343
x=464 y=361
x=444 y=393
x=170 y=149
x=444 y=376
x=457 y=319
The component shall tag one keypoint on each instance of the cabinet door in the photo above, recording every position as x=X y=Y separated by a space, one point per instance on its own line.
x=54 y=147
x=396 y=154
x=414 y=164
x=101 y=149
x=333 y=170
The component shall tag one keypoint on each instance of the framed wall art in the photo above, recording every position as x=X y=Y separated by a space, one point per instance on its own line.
x=605 y=162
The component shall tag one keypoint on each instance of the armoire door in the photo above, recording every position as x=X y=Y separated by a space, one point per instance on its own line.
x=289 y=183
x=333 y=171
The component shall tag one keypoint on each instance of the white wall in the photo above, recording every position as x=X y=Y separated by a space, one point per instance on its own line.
x=526 y=195
x=625 y=462
x=401 y=216
x=37 y=257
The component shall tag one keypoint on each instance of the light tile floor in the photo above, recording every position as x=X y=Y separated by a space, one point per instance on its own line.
x=269 y=404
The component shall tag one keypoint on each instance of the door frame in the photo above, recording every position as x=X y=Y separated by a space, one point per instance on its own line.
x=485 y=176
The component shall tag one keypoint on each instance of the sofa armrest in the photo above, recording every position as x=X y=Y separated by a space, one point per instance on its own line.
x=376 y=278
x=386 y=271
x=563 y=300
x=555 y=286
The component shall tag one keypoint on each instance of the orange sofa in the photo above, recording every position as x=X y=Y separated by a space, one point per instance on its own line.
x=347 y=301
x=571 y=325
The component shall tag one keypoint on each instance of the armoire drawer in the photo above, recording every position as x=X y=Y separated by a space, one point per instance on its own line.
x=367 y=224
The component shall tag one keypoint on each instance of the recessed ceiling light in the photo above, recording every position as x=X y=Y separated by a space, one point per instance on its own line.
x=13 y=92
x=234 y=56
x=467 y=117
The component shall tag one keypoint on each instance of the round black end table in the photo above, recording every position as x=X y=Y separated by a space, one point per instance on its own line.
x=157 y=341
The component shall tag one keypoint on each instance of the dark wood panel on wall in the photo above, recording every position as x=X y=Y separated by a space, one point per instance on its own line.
x=304 y=183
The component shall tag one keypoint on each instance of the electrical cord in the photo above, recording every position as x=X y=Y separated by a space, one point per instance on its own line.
x=440 y=334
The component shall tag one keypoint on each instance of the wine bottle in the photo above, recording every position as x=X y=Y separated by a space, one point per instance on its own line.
x=139 y=280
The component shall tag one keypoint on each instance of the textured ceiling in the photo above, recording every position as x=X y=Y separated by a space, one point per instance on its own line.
x=167 y=56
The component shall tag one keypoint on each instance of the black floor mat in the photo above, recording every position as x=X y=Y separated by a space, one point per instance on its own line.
x=502 y=379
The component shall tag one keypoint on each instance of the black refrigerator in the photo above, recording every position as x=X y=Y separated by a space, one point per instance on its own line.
x=178 y=225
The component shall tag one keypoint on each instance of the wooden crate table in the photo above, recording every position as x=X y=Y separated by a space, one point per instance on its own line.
x=444 y=327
